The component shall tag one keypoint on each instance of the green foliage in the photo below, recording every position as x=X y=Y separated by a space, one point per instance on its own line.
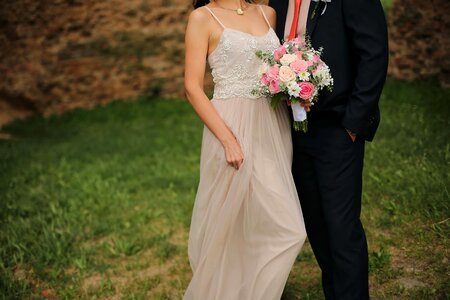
x=124 y=44
x=386 y=5
x=96 y=203
x=379 y=260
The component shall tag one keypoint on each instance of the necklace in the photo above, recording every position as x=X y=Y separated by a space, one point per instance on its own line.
x=239 y=10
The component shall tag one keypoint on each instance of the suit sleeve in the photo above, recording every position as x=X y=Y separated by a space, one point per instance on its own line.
x=367 y=31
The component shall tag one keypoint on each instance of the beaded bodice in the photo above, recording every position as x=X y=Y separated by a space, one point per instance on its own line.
x=234 y=63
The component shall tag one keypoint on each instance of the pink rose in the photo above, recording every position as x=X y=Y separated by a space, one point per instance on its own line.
x=316 y=58
x=306 y=90
x=299 y=41
x=299 y=66
x=265 y=80
x=317 y=69
x=278 y=54
x=310 y=63
x=274 y=87
x=299 y=54
x=273 y=72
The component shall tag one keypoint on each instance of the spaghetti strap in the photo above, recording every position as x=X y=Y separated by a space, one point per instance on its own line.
x=264 y=15
x=215 y=17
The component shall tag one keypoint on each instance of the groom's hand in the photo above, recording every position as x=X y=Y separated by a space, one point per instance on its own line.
x=306 y=105
x=351 y=134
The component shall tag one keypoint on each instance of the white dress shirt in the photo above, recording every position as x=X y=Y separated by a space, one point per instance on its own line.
x=301 y=28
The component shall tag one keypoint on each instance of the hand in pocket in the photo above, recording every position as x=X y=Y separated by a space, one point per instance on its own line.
x=351 y=134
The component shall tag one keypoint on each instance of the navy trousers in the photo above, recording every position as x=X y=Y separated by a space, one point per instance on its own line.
x=327 y=169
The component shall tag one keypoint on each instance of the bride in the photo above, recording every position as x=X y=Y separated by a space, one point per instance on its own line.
x=247 y=226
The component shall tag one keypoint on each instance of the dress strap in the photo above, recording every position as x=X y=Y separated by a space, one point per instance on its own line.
x=264 y=15
x=215 y=17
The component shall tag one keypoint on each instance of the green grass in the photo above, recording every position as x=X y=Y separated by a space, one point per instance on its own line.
x=96 y=203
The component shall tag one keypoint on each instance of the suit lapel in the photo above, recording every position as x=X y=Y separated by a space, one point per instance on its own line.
x=311 y=23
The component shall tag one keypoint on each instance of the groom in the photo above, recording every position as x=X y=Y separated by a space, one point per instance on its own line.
x=328 y=159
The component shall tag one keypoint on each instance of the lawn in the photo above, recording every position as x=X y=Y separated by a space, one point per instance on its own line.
x=96 y=204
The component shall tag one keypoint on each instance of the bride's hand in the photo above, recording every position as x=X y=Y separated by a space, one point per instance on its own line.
x=233 y=153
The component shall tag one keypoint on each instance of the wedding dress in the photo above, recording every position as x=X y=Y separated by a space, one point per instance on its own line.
x=247 y=226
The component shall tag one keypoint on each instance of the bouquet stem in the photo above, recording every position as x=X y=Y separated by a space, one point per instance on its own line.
x=301 y=126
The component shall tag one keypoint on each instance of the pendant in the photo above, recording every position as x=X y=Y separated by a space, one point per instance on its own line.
x=239 y=11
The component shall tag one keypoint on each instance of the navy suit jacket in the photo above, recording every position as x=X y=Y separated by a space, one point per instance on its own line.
x=353 y=34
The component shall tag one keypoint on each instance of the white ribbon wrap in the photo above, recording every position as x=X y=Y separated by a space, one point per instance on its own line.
x=298 y=112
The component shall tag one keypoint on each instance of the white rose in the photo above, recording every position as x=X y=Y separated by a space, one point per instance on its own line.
x=286 y=74
x=288 y=59
x=263 y=69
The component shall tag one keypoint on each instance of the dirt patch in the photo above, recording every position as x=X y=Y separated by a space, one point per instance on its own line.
x=91 y=282
x=144 y=273
x=5 y=136
x=124 y=279
x=9 y=113
x=411 y=283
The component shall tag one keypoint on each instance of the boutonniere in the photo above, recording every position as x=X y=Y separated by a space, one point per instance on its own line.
x=313 y=15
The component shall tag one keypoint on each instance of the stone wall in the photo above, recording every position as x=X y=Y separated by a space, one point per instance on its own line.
x=420 y=39
x=61 y=54
x=56 y=55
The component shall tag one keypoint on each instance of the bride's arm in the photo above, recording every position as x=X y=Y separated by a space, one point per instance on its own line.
x=197 y=43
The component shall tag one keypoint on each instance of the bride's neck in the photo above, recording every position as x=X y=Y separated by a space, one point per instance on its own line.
x=230 y=3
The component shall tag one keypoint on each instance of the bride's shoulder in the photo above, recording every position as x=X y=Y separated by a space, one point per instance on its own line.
x=269 y=12
x=267 y=9
x=198 y=22
x=199 y=15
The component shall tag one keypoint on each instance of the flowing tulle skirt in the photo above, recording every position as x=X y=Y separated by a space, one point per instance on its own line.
x=247 y=226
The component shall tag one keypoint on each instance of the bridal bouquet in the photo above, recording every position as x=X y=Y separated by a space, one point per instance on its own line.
x=295 y=73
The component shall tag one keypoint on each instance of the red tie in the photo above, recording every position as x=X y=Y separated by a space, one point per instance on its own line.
x=293 y=32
